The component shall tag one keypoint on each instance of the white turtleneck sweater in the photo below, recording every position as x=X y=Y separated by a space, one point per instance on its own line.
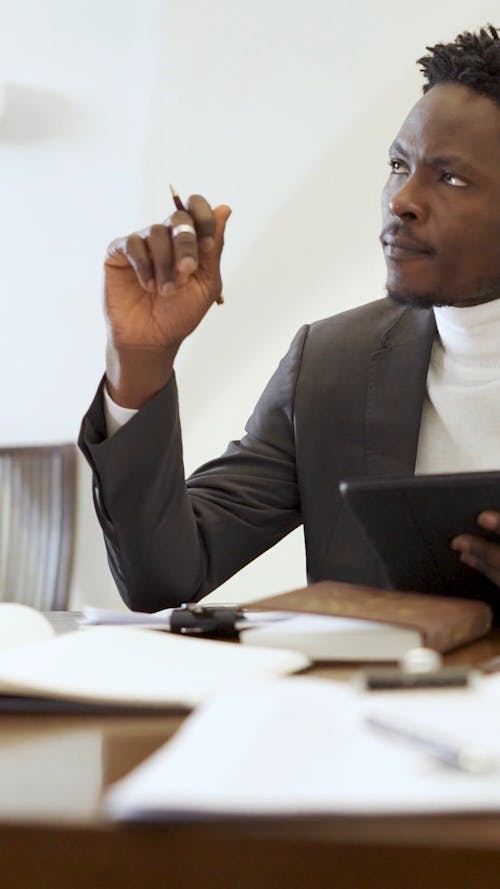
x=460 y=426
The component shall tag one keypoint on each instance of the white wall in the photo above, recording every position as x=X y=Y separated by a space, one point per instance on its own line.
x=284 y=110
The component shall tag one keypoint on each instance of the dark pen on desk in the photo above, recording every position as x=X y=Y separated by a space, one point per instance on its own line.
x=180 y=206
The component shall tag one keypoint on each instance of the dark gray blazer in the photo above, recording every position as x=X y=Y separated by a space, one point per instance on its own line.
x=345 y=401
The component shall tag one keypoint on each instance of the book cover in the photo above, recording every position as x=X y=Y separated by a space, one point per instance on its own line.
x=443 y=622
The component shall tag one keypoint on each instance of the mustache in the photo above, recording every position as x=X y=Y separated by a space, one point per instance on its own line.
x=399 y=230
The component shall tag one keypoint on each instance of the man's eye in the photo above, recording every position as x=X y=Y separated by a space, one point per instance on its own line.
x=454 y=180
x=398 y=167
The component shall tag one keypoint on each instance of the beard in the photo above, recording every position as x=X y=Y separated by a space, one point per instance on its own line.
x=485 y=292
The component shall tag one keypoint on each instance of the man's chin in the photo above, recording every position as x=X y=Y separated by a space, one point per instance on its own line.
x=484 y=292
x=416 y=300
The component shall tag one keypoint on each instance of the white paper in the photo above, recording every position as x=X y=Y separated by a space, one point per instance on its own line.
x=302 y=746
x=161 y=619
x=119 y=664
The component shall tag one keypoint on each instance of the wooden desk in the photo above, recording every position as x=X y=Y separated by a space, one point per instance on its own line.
x=53 y=834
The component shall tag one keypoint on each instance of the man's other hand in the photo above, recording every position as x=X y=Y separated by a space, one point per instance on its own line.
x=479 y=552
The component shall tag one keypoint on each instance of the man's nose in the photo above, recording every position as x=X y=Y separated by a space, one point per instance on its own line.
x=408 y=202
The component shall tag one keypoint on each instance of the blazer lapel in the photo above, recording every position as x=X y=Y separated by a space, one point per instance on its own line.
x=396 y=391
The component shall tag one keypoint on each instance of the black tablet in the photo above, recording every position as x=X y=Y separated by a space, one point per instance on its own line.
x=411 y=521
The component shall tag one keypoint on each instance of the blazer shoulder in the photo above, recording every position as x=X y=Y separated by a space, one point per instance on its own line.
x=374 y=318
x=369 y=327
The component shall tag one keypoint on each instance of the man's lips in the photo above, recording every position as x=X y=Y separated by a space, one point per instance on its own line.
x=401 y=247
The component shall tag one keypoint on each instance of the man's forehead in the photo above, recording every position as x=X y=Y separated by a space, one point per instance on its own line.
x=452 y=119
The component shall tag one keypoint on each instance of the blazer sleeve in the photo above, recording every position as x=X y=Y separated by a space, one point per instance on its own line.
x=171 y=540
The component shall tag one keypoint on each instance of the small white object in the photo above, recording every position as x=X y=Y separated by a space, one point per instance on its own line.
x=421 y=660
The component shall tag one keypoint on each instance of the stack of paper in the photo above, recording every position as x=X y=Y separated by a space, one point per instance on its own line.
x=120 y=665
x=305 y=747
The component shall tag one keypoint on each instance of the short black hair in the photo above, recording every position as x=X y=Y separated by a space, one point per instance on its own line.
x=472 y=60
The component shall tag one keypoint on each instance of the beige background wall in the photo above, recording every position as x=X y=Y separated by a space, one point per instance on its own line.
x=284 y=110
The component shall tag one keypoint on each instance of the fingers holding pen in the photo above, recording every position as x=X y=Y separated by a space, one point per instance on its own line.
x=209 y=223
x=203 y=220
x=184 y=242
x=134 y=251
x=193 y=230
x=210 y=227
x=173 y=245
x=165 y=256
x=159 y=245
x=167 y=253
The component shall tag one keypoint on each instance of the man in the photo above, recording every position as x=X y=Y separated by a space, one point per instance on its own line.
x=410 y=383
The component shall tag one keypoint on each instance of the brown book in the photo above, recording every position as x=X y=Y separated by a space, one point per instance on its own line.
x=442 y=622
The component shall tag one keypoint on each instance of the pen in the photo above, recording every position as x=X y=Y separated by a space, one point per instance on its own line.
x=394 y=678
x=177 y=201
x=180 y=206
x=465 y=757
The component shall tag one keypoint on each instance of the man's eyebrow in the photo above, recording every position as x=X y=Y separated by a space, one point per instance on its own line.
x=436 y=160
x=448 y=160
x=397 y=148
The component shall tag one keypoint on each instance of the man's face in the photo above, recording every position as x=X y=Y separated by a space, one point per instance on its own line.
x=441 y=203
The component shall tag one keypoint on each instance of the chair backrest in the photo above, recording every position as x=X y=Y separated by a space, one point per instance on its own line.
x=37 y=524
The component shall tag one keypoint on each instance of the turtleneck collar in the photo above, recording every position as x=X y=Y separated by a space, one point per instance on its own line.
x=470 y=334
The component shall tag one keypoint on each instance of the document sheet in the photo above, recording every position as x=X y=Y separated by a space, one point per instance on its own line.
x=303 y=746
x=134 y=666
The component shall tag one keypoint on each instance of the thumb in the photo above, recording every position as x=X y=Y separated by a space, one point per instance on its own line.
x=221 y=214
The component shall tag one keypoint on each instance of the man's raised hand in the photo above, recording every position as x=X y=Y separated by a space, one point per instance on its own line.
x=159 y=283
